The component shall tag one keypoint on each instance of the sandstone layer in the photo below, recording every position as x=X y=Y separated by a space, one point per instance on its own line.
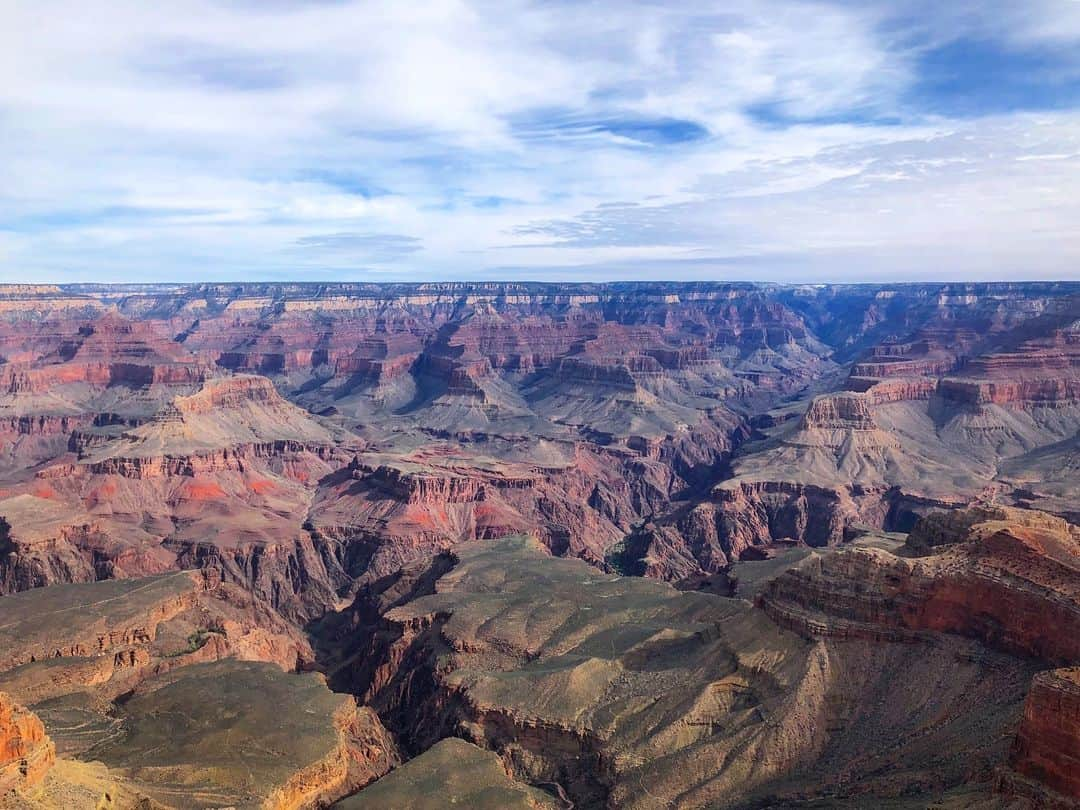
x=1047 y=748
x=208 y=490
x=140 y=424
x=26 y=752
x=176 y=683
x=591 y=685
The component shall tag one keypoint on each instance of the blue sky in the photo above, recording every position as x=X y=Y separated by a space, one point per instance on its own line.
x=775 y=140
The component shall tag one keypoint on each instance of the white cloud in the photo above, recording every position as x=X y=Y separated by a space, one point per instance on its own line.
x=209 y=139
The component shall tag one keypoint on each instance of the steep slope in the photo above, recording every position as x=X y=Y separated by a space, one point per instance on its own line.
x=61 y=374
x=1044 y=764
x=977 y=405
x=176 y=684
x=595 y=685
x=26 y=752
x=603 y=417
x=1007 y=577
x=578 y=497
x=103 y=638
x=304 y=448
x=215 y=478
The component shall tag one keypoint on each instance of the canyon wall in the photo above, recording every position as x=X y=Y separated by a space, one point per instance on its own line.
x=26 y=752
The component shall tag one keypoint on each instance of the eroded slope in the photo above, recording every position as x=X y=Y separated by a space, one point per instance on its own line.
x=602 y=684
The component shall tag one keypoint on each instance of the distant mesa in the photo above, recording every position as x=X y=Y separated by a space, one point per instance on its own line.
x=288 y=545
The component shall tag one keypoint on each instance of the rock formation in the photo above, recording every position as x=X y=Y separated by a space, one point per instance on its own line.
x=451 y=772
x=598 y=684
x=26 y=752
x=1009 y=580
x=247 y=735
x=100 y=660
x=863 y=494
x=1046 y=754
x=618 y=401
x=1006 y=577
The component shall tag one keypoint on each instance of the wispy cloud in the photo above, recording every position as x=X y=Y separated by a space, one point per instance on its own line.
x=778 y=138
x=360 y=248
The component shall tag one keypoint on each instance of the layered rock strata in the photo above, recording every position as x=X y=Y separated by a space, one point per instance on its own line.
x=26 y=752
x=590 y=685
x=1047 y=747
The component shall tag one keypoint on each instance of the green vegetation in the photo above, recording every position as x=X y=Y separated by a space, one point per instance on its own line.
x=196 y=641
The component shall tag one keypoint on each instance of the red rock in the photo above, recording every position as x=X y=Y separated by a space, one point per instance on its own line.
x=1047 y=747
x=845 y=411
x=1011 y=586
x=633 y=396
x=26 y=752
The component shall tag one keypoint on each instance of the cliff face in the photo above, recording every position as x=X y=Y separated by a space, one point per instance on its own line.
x=1006 y=577
x=1047 y=747
x=305 y=447
x=1005 y=583
x=109 y=350
x=710 y=535
x=837 y=412
x=244 y=734
x=112 y=636
x=392 y=508
x=602 y=417
x=973 y=401
x=598 y=684
x=26 y=752
x=363 y=753
x=140 y=496
x=124 y=655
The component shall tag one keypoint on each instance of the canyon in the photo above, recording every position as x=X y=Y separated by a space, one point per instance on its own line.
x=540 y=545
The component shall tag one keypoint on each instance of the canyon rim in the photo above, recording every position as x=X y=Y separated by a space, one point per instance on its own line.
x=540 y=545
x=540 y=405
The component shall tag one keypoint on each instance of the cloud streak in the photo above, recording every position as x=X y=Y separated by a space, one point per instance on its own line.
x=453 y=139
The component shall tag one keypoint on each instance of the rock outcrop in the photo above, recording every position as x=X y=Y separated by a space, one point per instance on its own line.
x=301 y=448
x=1007 y=584
x=111 y=636
x=591 y=685
x=26 y=752
x=1006 y=577
x=452 y=772
x=80 y=621
x=605 y=418
x=245 y=734
x=736 y=519
x=364 y=752
x=1047 y=747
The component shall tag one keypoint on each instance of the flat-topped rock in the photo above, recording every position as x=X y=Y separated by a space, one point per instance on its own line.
x=450 y=773
x=594 y=684
x=91 y=619
x=245 y=735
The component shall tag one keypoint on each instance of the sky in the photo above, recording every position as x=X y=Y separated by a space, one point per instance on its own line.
x=841 y=140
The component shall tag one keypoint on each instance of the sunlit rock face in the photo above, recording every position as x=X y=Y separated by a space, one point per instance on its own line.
x=26 y=752
x=332 y=431
x=597 y=683
x=1045 y=751
x=716 y=539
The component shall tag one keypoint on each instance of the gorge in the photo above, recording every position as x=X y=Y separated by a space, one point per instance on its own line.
x=540 y=545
